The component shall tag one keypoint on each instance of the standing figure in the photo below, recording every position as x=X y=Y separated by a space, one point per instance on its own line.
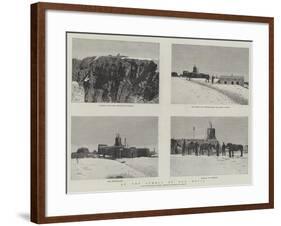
x=213 y=77
x=208 y=78
x=190 y=148
x=218 y=149
x=196 y=148
x=183 y=147
x=229 y=152
x=223 y=149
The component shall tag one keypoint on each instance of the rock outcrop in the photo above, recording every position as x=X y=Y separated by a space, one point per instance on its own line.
x=117 y=79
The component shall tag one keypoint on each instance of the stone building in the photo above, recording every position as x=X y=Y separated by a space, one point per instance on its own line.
x=195 y=74
x=231 y=80
x=81 y=153
x=174 y=74
x=119 y=150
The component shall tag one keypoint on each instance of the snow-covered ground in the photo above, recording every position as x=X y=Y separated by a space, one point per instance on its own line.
x=237 y=93
x=148 y=166
x=190 y=165
x=197 y=91
x=77 y=93
x=99 y=168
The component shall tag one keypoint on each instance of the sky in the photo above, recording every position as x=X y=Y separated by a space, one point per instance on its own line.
x=214 y=60
x=228 y=129
x=82 y=48
x=139 y=131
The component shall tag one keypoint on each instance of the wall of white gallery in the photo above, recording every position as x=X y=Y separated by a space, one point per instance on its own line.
x=15 y=114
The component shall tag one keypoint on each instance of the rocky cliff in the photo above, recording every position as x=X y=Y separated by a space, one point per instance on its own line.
x=116 y=79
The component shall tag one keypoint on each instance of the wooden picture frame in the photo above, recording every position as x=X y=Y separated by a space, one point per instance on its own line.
x=38 y=111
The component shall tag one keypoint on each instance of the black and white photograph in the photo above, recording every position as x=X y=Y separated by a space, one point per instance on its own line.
x=114 y=71
x=139 y=111
x=114 y=147
x=202 y=146
x=210 y=75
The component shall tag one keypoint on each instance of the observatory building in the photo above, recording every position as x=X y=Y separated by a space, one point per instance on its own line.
x=119 y=150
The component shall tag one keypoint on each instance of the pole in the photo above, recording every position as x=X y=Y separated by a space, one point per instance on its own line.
x=193 y=132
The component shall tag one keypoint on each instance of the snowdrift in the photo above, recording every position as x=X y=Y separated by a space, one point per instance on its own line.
x=236 y=93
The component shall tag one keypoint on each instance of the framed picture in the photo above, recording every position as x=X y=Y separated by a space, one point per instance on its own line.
x=141 y=112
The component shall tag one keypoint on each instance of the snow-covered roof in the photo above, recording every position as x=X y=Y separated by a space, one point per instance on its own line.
x=231 y=77
x=139 y=58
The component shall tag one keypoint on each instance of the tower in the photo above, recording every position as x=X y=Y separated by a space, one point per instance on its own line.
x=195 y=69
x=211 y=132
x=118 y=141
x=125 y=142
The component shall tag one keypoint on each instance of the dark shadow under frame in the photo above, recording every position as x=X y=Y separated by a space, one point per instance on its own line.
x=38 y=177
